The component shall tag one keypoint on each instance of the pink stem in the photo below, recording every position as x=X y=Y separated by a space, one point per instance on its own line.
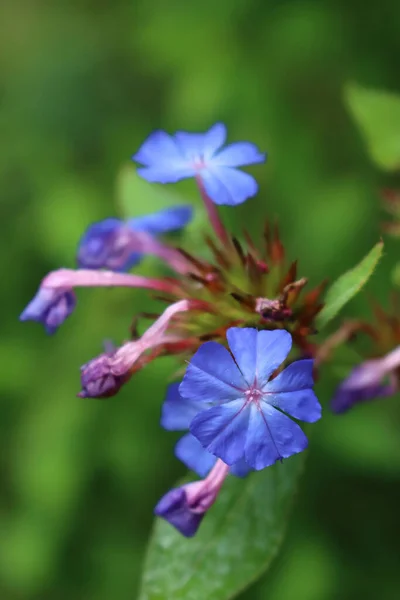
x=217 y=475
x=391 y=361
x=213 y=215
x=201 y=495
x=148 y=244
x=129 y=353
x=70 y=278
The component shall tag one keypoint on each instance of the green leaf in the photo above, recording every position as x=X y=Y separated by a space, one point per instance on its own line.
x=377 y=114
x=348 y=285
x=235 y=543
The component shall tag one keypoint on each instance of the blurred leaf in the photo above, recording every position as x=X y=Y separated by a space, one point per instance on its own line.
x=136 y=196
x=366 y=439
x=396 y=275
x=348 y=285
x=377 y=113
x=235 y=544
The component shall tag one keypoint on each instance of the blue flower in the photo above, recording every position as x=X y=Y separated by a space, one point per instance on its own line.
x=113 y=243
x=176 y=415
x=50 y=306
x=170 y=158
x=240 y=408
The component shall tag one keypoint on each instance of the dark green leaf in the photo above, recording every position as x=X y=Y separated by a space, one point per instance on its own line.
x=348 y=285
x=377 y=113
x=235 y=544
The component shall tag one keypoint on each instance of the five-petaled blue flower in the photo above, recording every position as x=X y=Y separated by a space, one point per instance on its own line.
x=113 y=243
x=240 y=408
x=176 y=415
x=170 y=158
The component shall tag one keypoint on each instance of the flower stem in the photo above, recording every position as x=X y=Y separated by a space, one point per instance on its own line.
x=156 y=335
x=70 y=278
x=147 y=244
x=213 y=215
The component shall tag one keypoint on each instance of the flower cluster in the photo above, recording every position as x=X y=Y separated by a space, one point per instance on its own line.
x=241 y=320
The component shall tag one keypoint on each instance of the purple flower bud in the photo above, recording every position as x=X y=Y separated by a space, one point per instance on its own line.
x=367 y=382
x=186 y=506
x=55 y=299
x=107 y=245
x=50 y=306
x=119 y=245
x=175 y=508
x=98 y=380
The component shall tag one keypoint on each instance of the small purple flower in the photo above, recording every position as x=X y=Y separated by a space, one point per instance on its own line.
x=246 y=419
x=176 y=415
x=170 y=158
x=372 y=379
x=185 y=507
x=115 y=244
x=50 y=306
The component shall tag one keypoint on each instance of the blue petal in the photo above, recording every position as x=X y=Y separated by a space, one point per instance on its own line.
x=258 y=353
x=159 y=148
x=240 y=469
x=271 y=436
x=212 y=376
x=201 y=146
x=243 y=345
x=291 y=392
x=222 y=430
x=239 y=154
x=227 y=186
x=178 y=412
x=163 y=221
x=166 y=173
x=192 y=454
x=302 y=404
x=297 y=376
x=214 y=138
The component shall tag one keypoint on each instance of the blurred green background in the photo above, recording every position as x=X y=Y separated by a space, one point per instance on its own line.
x=81 y=85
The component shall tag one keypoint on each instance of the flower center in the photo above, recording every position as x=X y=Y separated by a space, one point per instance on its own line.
x=253 y=395
x=199 y=164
